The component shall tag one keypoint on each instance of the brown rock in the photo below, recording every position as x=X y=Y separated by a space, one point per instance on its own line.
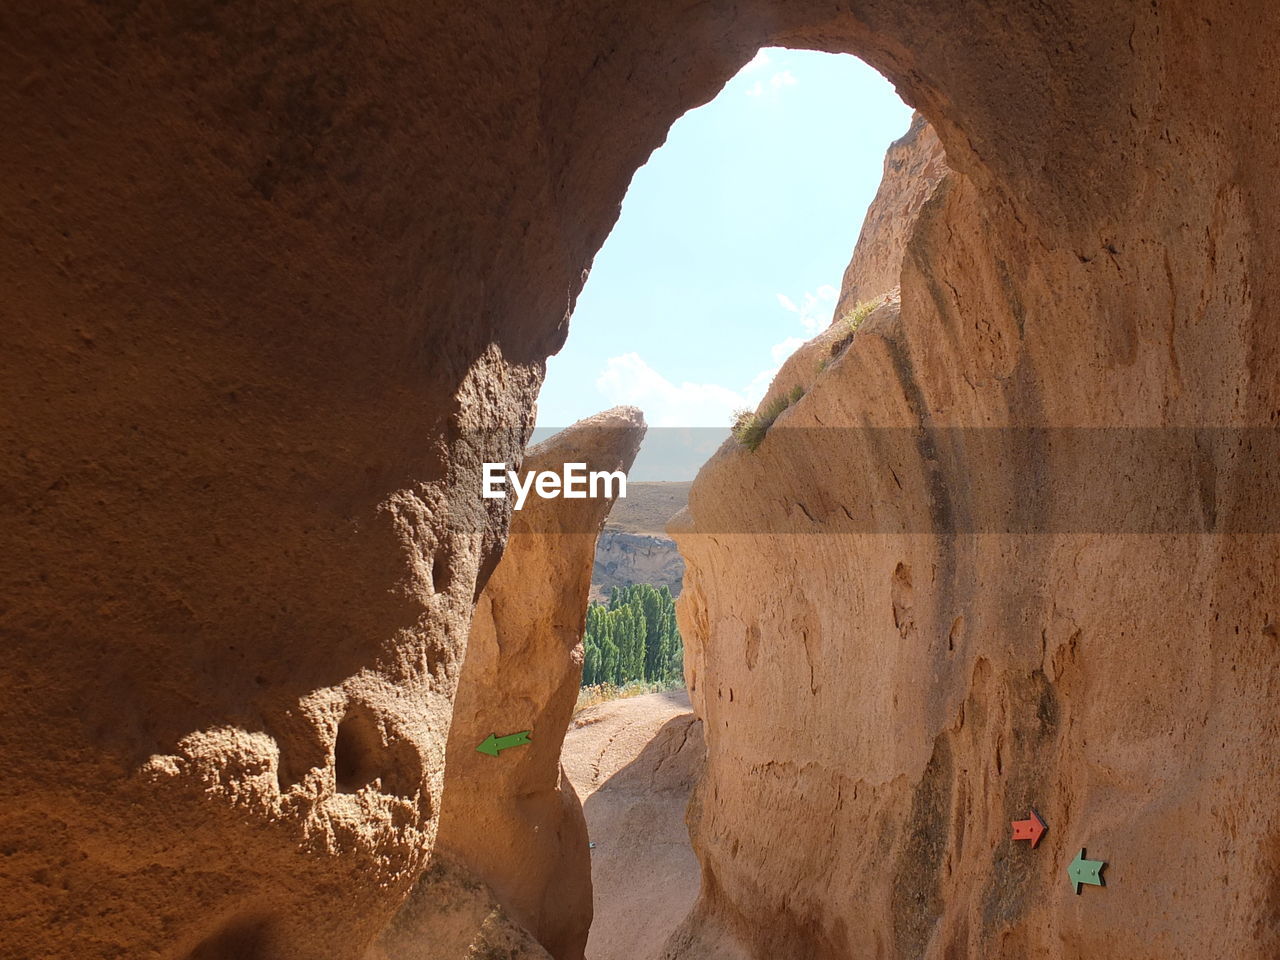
x=279 y=277
x=623 y=559
x=633 y=547
x=513 y=822
x=451 y=914
x=913 y=167
x=888 y=675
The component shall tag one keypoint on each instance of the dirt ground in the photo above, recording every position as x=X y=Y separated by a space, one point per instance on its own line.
x=633 y=763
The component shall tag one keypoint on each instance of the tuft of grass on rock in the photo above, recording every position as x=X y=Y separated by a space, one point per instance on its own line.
x=853 y=319
x=749 y=428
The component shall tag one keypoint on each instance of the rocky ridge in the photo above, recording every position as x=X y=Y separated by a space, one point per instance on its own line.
x=623 y=559
x=633 y=547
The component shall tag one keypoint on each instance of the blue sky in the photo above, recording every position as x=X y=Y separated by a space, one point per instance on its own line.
x=731 y=244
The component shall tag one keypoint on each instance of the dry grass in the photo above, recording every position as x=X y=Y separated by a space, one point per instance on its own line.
x=604 y=692
x=853 y=319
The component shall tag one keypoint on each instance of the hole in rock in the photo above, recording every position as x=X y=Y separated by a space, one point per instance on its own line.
x=241 y=939
x=441 y=570
x=356 y=754
x=362 y=758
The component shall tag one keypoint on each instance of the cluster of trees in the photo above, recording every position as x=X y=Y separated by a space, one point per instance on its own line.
x=633 y=637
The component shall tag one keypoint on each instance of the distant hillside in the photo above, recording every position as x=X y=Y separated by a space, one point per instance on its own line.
x=634 y=548
x=648 y=506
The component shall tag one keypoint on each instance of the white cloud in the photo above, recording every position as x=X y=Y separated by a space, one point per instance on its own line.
x=780 y=351
x=814 y=315
x=628 y=379
x=772 y=88
x=815 y=309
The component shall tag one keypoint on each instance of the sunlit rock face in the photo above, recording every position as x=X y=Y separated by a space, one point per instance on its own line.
x=623 y=559
x=926 y=628
x=913 y=167
x=279 y=278
x=512 y=822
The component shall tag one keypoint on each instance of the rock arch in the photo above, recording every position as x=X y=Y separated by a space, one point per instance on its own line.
x=279 y=278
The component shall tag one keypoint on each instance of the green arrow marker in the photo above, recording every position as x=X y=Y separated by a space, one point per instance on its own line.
x=493 y=745
x=1086 y=871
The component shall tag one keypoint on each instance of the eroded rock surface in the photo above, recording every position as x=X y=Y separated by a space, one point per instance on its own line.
x=623 y=559
x=913 y=167
x=894 y=676
x=450 y=914
x=513 y=822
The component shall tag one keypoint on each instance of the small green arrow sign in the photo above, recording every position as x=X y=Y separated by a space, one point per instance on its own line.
x=1086 y=871
x=493 y=744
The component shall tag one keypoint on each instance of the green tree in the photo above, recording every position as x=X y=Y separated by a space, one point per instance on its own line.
x=672 y=654
x=590 y=662
x=655 y=625
x=632 y=637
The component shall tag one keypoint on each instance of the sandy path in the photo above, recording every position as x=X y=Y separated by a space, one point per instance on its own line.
x=633 y=763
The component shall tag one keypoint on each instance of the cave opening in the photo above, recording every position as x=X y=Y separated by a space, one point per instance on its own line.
x=275 y=268
x=731 y=256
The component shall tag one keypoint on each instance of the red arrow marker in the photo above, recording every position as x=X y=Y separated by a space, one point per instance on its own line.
x=1032 y=829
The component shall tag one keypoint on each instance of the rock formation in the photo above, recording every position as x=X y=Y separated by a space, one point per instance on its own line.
x=924 y=632
x=450 y=913
x=278 y=278
x=912 y=168
x=513 y=822
x=623 y=559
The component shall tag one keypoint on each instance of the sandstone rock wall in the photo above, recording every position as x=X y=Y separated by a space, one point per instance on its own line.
x=278 y=278
x=513 y=822
x=894 y=674
x=913 y=166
